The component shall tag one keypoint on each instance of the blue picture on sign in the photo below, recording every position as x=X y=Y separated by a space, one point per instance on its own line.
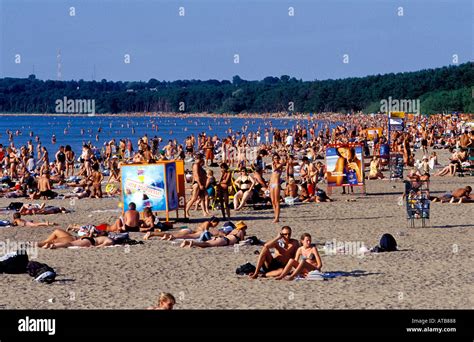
x=171 y=183
x=144 y=185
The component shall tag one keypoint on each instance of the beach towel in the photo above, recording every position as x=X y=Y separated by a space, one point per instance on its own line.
x=317 y=275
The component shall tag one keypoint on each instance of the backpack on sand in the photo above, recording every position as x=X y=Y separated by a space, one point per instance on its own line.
x=387 y=244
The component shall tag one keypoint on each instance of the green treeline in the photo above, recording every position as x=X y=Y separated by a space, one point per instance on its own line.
x=442 y=89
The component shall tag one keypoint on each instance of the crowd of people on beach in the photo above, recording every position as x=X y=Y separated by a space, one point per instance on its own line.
x=266 y=168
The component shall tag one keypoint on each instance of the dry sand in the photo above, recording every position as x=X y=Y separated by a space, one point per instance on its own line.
x=432 y=270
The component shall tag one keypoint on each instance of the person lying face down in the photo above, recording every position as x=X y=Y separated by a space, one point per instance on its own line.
x=461 y=195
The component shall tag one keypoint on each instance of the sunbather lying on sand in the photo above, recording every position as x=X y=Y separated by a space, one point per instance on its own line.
x=18 y=221
x=35 y=209
x=188 y=233
x=62 y=239
x=234 y=237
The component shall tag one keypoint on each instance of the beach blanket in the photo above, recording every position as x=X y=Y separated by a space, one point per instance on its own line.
x=317 y=275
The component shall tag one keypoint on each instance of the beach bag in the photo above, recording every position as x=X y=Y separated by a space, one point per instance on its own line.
x=14 y=263
x=255 y=241
x=119 y=238
x=41 y=272
x=205 y=236
x=388 y=243
x=245 y=269
x=15 y=206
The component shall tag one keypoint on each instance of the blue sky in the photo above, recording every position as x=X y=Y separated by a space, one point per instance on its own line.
x=202 y=43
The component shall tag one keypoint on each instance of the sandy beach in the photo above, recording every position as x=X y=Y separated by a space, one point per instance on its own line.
x=432 y=270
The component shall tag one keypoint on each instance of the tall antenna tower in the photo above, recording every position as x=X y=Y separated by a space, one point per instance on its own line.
x=59 y=74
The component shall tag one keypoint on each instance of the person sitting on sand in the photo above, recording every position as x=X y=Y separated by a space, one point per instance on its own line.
x=307 y=259
x=375 y=172
x=166 y=301
x=285 y=249
x=455 y=164
x=44 y=188
x=234 y=237
x=416 y=179
x=291 y=189
x=245 y=184
x=321 y=196
x=129 y=222
x=188 y=233
x=19 y=222
x=148 y=222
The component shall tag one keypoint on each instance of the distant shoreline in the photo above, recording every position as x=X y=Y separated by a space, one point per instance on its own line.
x=168 y=115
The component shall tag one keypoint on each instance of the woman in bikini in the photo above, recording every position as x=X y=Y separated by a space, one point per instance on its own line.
x=85 y=241
x=234 y=237
x=187 y=233
x=245 y=184
x=307 y=259
x=69 y=161
x=275 y=187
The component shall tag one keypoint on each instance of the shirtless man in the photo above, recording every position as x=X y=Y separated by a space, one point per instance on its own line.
x=169 y=150
x=130 y=222
x=199 y=185
x=285 y=249
x=96 y=178
x=44 y=188
x=461 y=195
